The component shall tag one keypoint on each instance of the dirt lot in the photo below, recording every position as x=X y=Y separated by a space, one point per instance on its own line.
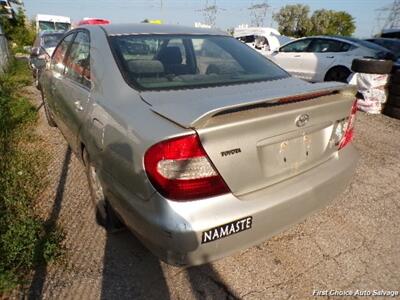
x=353 y=244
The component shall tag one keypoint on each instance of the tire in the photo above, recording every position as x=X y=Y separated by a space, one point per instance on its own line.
x=47 y=112
x=337 y=74
x=372 y=66
x=394 y=89
x=393 y=100
x=392 y=111
x=105 y=214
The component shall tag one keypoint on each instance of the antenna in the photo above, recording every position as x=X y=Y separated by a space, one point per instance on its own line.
x=258 y=13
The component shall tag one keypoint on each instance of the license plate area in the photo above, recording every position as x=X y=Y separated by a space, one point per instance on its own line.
x=291 y=153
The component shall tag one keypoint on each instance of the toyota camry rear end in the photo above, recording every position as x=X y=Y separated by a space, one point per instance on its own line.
x=203 y=146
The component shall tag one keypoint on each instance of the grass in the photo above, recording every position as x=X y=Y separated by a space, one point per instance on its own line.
x=25 y=241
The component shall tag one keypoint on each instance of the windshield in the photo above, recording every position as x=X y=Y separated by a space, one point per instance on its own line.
x=53 y=26
x=51 y=40
x=189 y=61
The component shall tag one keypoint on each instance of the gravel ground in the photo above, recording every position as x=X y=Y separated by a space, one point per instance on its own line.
x=351 y=245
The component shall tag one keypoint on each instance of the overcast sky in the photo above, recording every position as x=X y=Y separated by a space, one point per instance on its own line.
x=186 y=12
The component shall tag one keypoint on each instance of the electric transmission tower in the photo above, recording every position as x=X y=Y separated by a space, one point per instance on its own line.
x=258 y=13
x=210 y=13
x=392 y=12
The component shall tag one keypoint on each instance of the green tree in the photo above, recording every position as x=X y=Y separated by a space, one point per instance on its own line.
x=343 y=22
x=330 y=22
x=18 y=30
x=293 y=20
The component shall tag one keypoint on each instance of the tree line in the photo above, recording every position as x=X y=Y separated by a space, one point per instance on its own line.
x=295 y=20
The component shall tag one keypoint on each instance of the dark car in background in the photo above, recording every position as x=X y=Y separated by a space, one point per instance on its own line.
x=393 y=45
x=42 y=50
x=391 y=33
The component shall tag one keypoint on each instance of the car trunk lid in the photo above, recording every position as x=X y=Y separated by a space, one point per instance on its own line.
x=258 y=137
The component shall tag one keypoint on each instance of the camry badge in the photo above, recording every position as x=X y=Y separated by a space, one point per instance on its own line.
x=302 y=120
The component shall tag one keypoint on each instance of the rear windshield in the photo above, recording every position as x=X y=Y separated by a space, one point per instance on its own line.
x=154 y=62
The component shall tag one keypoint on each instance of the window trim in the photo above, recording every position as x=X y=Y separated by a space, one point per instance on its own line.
x=75 y=32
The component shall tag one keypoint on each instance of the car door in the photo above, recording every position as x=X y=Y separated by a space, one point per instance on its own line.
x=54 y=75
x=324 y=54
x=290 y=56
x=74 y=88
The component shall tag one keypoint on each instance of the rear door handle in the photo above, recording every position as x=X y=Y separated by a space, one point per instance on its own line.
x=330 y=57
x=78 y=106
x=298 y=55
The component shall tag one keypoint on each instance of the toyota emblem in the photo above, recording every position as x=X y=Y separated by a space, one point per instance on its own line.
x=302 y=120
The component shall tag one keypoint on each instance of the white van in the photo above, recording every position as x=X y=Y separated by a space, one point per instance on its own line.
x=52 y=23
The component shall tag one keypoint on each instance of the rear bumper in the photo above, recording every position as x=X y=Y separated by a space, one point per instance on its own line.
x=173 y=230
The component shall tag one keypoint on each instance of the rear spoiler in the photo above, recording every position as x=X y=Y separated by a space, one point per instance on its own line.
x=192 y=108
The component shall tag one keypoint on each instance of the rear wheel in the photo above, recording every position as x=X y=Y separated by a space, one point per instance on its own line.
x=392 y=111
x=338 y=74
x=105 y=215
x=394 y=100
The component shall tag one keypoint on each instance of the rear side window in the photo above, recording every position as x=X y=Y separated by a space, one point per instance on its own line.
x=57 y=61
x=77 y=63
x=297 y=46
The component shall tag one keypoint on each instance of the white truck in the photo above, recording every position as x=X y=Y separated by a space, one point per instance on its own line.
x=264 y=39
x=52 y=23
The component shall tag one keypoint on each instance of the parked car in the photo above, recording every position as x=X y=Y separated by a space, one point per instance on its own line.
x=200 y=146
x=52 y=23
x=325 y=58
x=393 y=45
x=390 y=33
x=42 y=50
x=93 y=21
x=264 y=39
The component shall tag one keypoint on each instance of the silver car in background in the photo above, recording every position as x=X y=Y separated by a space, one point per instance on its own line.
x=197 y=143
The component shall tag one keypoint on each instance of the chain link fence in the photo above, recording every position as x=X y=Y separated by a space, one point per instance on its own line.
x=4 y=52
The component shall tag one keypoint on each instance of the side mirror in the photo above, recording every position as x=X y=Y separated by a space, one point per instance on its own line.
x=35 y=51
x=39 y=61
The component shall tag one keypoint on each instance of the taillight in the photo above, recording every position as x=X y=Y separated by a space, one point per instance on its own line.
x=349 y=131
x=179 y=169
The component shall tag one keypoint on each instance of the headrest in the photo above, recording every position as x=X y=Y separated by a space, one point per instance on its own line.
x=170 y=56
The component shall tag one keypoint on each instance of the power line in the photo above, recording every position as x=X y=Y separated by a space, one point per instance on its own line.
x=258 y=13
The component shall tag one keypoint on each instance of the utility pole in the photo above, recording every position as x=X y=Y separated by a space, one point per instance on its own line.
x=258 y=13
x=392 y=12
x=210 y=13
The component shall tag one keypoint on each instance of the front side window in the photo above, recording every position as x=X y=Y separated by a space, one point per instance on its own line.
x=188 y=61
x=57 y=61
x=77 y=63
x=297 y=46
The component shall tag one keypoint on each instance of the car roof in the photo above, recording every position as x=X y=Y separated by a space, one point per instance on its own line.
x=396 y=41
x=146 y=28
